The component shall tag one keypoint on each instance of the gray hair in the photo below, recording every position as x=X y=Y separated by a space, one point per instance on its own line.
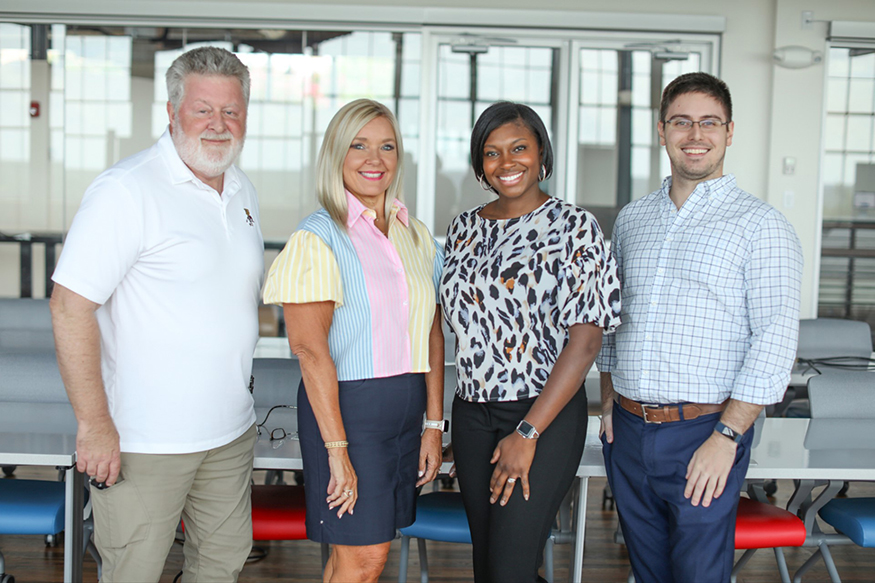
x=204 y=61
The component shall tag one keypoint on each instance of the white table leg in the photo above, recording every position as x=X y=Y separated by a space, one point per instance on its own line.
x=580 y=530
x=73 y=543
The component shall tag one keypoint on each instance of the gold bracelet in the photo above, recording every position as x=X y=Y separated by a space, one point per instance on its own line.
x=332 y=444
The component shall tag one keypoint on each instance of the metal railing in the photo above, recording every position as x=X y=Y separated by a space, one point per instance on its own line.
x=25 y=242
x=847 y=271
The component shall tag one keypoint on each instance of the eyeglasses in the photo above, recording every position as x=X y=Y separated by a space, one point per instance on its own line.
x=683 y=124
x=278 y=434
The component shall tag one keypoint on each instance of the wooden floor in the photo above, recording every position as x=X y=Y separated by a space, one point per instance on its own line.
x=29 y=560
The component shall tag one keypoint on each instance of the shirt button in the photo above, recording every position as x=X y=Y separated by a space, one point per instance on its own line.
x=400 y=270
x=668 y=239
x=404 y=303
x=660 y=271
x=652 y=302
x=647 y=336
x=644 y=373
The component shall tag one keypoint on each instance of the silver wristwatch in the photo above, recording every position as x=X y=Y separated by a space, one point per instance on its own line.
x=527 y=430
x=443 y=425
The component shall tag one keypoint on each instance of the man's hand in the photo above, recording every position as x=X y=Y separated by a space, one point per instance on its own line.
x=607 y=425
x=77 y=342
x=97 y=451
x=429 y=456
x=708 y=469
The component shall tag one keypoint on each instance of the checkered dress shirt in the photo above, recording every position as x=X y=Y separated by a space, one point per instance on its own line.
x=710 y=298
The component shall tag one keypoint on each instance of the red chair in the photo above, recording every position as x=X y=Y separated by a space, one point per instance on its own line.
x=760 y=525
x=278 y=513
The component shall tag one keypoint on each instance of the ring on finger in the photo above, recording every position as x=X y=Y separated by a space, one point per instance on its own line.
x=347 y=493
x=511 y=480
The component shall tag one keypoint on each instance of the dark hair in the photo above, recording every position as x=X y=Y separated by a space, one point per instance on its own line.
x=696 y=83
x=499 y=114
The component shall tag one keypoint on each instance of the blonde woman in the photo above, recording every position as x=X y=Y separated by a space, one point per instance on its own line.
x=357 y=281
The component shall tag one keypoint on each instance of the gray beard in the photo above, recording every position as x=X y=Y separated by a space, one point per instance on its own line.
x=198 y=158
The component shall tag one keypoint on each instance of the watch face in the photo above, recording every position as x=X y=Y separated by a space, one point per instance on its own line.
x=729 y=432
x=526 y=429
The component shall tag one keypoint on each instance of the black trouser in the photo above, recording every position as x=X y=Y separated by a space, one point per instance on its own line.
x=509 y=540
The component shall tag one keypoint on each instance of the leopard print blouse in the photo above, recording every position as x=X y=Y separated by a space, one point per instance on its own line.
x=511 y=289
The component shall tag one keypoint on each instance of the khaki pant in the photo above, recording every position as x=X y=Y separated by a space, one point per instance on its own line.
x=135 y=520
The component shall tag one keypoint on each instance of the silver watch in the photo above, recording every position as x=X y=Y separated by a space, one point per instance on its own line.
x=527 y=430
x=443 y=425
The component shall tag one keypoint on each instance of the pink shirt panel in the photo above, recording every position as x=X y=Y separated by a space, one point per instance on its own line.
x=386 y=282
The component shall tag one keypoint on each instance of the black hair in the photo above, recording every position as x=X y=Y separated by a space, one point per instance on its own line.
x=499 y=114
x=698 y=82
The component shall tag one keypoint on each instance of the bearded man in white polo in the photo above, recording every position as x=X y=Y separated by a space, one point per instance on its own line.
x=155 y=317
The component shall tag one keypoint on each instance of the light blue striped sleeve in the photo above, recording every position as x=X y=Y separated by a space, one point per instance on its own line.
x=438 y=269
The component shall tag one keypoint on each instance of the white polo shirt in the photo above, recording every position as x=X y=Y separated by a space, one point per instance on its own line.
x=178 y=271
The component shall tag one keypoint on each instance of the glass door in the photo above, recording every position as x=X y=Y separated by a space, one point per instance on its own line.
x=614 y=155
x=470 y=73
x=598 y=95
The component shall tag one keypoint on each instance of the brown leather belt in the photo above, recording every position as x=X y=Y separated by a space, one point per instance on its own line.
x=669 y=413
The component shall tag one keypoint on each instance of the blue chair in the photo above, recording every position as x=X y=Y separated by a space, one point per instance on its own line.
x=853 y=517
x=842 y=397
x=440 y=516
x=34 y=507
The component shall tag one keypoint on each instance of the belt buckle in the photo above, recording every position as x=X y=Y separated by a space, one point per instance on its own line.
x=644 y=409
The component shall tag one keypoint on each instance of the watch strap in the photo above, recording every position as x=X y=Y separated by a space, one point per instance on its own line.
x=443 y=425
x=728 y=432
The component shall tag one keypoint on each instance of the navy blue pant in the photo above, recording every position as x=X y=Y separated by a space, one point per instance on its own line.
x=669 y=539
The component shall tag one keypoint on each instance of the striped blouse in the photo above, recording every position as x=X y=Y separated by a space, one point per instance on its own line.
x=384 y=289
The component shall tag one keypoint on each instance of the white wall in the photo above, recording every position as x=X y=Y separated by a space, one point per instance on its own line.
x=778 y=112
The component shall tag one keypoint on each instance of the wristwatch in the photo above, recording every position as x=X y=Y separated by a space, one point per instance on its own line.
x=443 y=425
x=728 y=432
x=527 y=430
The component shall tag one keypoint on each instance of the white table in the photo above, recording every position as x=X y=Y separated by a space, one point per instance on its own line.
x=834 y=450
x=40 y=435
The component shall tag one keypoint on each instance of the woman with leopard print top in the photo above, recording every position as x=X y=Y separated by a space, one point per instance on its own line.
x=528 y=288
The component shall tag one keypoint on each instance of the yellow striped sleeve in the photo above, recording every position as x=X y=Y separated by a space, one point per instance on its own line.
x=418 y=260
x=304 y=271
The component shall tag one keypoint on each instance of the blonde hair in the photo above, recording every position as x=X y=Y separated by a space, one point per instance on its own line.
x=344 y=127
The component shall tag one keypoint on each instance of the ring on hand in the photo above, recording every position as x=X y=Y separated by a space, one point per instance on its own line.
x=511 y=480
x=347 y=493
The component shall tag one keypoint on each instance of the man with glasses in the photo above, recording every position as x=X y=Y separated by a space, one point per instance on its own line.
x=155 y=312
x=711 y=281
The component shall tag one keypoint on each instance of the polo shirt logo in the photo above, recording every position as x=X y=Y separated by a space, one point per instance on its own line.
x=249 y=218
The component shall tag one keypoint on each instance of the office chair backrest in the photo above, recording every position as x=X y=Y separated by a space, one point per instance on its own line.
x=831 y=338
x=25 y=324
x=276 y=381
x=31 y=377
x=842 y=394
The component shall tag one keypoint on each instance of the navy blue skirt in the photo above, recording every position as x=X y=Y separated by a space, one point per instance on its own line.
x=383 y=422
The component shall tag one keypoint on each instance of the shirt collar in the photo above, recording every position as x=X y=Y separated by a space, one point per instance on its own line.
x=356 y=210
x=180 y=173
x=714 y=188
